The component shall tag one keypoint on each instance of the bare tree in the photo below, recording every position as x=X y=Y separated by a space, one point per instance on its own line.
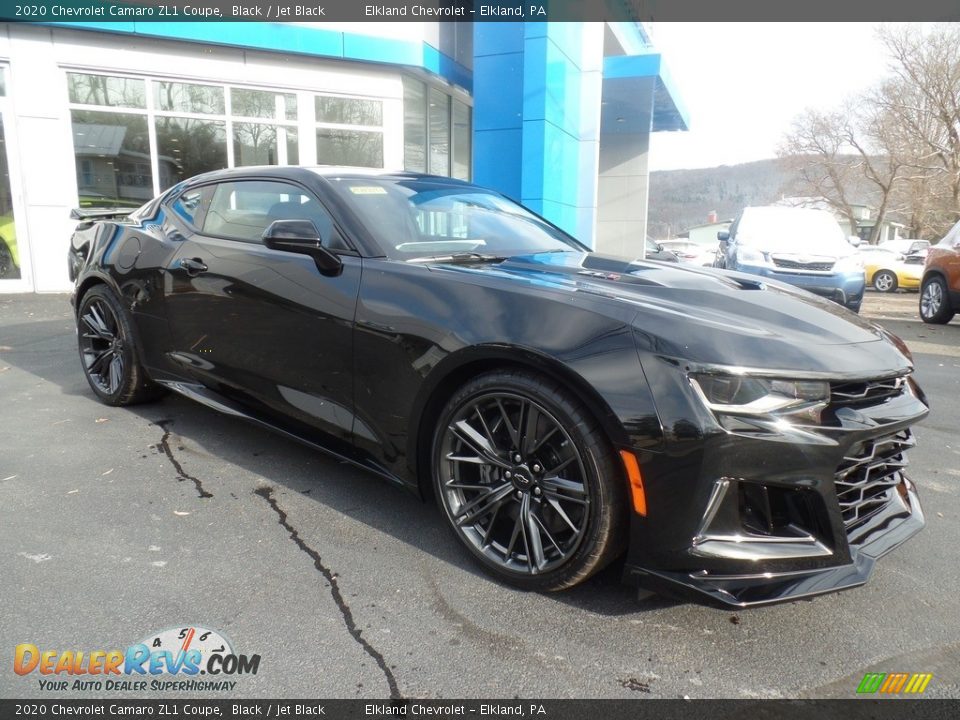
x=833 y=153
x=923 y=97
x=817 y=151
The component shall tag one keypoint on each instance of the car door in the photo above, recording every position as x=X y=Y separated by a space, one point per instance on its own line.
x=260 y=325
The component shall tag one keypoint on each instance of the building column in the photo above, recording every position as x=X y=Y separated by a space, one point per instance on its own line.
x=537 y=95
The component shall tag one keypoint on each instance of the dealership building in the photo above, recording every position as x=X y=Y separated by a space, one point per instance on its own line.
x=555 y=115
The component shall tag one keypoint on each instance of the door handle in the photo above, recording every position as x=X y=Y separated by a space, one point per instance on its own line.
x=193 y=266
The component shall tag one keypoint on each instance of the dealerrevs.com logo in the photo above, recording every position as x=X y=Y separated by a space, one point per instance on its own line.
x=190 y=658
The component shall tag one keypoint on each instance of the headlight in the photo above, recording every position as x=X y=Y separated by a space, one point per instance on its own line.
x=850 y=263
x=749 y=256
x=735 y=395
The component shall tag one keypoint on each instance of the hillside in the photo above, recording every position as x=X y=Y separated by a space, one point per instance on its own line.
x=680 y=199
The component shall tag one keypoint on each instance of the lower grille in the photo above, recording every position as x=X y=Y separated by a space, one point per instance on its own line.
x=868 y=477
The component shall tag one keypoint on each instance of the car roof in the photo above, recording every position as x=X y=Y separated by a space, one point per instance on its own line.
x=326 y=171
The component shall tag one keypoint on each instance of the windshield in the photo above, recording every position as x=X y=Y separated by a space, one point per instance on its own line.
x=423 y=217
x=792 y=230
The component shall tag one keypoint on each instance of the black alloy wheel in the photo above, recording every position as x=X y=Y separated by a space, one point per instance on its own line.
x=528 y=481
x=935 y=302
x=108 y=352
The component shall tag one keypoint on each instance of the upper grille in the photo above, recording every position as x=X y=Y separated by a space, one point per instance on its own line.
x=863 y=393
x=811 y=266
x=868 y=477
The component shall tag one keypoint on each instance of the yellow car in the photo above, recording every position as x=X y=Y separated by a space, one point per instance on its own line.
x=888 y=271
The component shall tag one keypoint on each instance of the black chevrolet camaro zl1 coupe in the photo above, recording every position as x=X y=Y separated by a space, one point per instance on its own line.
x=724 y=435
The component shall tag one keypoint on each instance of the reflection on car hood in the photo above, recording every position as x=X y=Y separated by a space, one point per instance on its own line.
x=709 y=315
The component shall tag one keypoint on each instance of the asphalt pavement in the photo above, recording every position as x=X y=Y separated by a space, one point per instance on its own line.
x=118 y=523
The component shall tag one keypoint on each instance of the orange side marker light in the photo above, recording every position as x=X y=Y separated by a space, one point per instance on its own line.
x=632 y=467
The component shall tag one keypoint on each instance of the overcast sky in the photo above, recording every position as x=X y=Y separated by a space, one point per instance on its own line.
x=743 y=83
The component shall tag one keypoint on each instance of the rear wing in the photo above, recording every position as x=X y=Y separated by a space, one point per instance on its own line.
x=90 y=214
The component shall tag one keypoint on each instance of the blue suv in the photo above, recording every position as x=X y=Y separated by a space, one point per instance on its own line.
x=799 y=246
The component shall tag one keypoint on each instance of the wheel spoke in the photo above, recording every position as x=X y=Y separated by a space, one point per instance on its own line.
x=558 y=509
x=477 y=508
x=94 y=322
x=478 y=443
x=486 y=429
x=535 y=556
x=116 y=370
x=95 y=364
x=514 y=432
x=546 y=533
x=530 y=417
x=560 y=466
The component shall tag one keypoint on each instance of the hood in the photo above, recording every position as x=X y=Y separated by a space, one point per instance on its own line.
x=712 y=316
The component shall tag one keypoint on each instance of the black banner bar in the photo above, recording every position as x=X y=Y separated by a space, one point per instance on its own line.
x=473 y=10
x=648 y=709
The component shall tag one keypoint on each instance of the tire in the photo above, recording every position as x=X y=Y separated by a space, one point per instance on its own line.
x=528 y=482
x=935 y=301
x=108 y=350
x=885 y=282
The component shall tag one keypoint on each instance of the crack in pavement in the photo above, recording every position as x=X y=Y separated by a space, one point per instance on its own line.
x=267 y=494
x=182 y=474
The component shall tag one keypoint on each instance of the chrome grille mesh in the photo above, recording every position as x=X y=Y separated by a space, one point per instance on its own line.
x=863 y=393
x=868 y=477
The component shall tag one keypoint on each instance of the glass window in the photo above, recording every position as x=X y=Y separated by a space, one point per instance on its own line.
x=188 y=147
x=259 y=144
x=359 y=148
x=414 y=126
x=3 y=82
x=112 y=153
x=254 y=144
x=439 y=132
x=262 y=104
x=418 y=218
x=243 y=210
x=349 y=111
x=461 y=140
x=108 y=91
x=185 y=97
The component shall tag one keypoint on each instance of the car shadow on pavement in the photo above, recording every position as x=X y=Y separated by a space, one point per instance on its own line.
x=46 y=349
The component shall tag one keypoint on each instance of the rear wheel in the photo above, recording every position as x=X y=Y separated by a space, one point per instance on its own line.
x=885 y=281
x=934 y=301
x=108 y=352
x=528 y=481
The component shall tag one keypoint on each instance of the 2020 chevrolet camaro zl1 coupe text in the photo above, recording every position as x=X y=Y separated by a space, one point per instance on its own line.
x=723 y=434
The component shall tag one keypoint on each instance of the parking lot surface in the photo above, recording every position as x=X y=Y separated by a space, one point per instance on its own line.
x=118 y=523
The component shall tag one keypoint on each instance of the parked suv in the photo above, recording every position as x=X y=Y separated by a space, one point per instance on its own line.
x=799 y=246
x=940 y=290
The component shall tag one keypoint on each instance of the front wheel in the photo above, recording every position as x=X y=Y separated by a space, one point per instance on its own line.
x=528 y=481
x=934 y=302
x=108 y=352
x=885 y=281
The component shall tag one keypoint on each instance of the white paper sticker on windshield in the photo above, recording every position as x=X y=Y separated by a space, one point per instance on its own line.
x=367 y=190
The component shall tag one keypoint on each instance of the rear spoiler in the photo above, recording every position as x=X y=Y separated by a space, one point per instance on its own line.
x=99 y=213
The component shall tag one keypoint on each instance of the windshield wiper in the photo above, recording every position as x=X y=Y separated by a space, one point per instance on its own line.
x=461 y=257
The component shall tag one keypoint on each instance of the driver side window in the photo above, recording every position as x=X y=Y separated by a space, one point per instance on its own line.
x=244 y=209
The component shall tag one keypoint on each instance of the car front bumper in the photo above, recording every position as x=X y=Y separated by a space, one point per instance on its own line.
x=746 y=517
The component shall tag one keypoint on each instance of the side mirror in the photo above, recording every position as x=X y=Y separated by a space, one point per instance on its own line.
x=723 y=236
x=302 y=236
x=854 y=240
